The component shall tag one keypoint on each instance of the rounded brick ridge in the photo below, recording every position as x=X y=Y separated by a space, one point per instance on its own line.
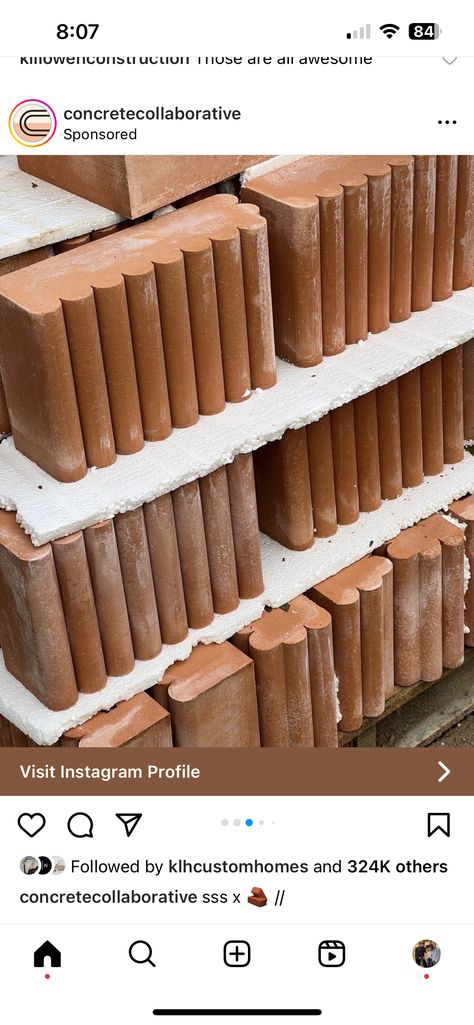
x=206 y=667
x=71 y=275
x=425 y=538
x=13 y=537
x=463 y=508
x=366 y=574
x=302 y=180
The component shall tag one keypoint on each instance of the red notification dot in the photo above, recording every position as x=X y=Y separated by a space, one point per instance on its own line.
x=47 y=976
x=426 y=976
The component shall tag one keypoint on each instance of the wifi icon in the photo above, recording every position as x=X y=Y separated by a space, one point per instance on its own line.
x=389 y=30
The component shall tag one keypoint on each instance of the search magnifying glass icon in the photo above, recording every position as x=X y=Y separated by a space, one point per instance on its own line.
x=140 y=952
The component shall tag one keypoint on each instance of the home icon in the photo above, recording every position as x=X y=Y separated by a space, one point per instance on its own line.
x=47 y=950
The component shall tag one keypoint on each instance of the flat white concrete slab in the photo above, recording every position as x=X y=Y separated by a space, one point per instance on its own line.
x=287 y=574
x=47 y=509
x=34 y=213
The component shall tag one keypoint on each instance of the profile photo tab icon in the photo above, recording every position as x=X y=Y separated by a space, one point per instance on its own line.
x=426 y=953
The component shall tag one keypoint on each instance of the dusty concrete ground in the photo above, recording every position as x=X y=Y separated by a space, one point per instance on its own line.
x=461 y=735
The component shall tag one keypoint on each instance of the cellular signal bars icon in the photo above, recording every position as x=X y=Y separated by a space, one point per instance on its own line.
x=359 y=33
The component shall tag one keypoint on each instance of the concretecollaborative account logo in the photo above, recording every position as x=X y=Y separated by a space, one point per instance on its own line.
x=32 y=123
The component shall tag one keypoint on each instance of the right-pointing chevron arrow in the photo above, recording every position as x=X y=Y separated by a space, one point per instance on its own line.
x=446 y=771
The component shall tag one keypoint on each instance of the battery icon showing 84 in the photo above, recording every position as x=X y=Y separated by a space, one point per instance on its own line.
x=424 y=30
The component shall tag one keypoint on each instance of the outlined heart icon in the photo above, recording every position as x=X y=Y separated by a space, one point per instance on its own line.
x=32 y=824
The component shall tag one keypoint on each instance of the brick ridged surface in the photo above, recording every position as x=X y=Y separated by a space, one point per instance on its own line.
x=87 y=606
x=326 y=659
x=428 y=598
x=120 y=340
x=357 y=242
x=211 y=698
x=464 y=512
x=320 y=476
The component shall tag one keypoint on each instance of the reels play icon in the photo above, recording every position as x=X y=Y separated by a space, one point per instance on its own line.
x=331 y=953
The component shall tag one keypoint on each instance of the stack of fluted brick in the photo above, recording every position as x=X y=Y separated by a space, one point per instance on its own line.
x=368 y=450
x=88 y=605
x=118 y=341
x=359 y=242
x=334 y=655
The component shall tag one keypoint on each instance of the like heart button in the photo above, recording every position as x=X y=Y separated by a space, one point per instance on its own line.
x=32 y=824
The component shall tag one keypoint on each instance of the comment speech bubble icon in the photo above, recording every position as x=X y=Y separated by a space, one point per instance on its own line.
x=80 y=825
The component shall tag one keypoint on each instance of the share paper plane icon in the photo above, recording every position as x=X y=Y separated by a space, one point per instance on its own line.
x=130 y=821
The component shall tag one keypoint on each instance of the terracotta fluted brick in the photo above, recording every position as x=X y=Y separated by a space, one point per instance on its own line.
x=321 y=470
x=453 y=420
x=177 y=340
x=167 y=577
x=401 y=255
x=367 y=449
x=147 y=342
x=245 y=527
x=445 y=225
x=333 y=287
x=5 y=426
x=432 y=416
x=464 y=235
x=279 y=649
x=411 y=428
x=284 y=490
x=20 y=260
x=294 y=672
x=219 y=540
x=345 y=463
x=356 y=227
x=204 y=317
x=333 y=238
x=211 y=698
x=85 y=351
x=468 y=389
x=33 y=632
x=424 y=203
x=135 y=185
x=360 y=602
x=137 y=577
x=193 y=558
x=318 y=625
x=126 y=303
x=232 y=314
x=379 y=245
x=258 y=305
x=464 y=511
x=390 y=446
x=68 y=244
x=117 y=350
x=428 y=575
x=77 y=598
x=137 y=722
x=109 y=596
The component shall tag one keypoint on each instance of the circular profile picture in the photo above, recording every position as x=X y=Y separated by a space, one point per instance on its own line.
x=29 y=866
x=32 y=123
x=59 y=865
x=426 y=953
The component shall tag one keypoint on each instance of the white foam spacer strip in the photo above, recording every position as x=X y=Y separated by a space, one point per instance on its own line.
x=47 y=509
x=287 y=574
x=30 y=206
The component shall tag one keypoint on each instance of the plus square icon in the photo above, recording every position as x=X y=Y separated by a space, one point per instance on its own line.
x=237 y=953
